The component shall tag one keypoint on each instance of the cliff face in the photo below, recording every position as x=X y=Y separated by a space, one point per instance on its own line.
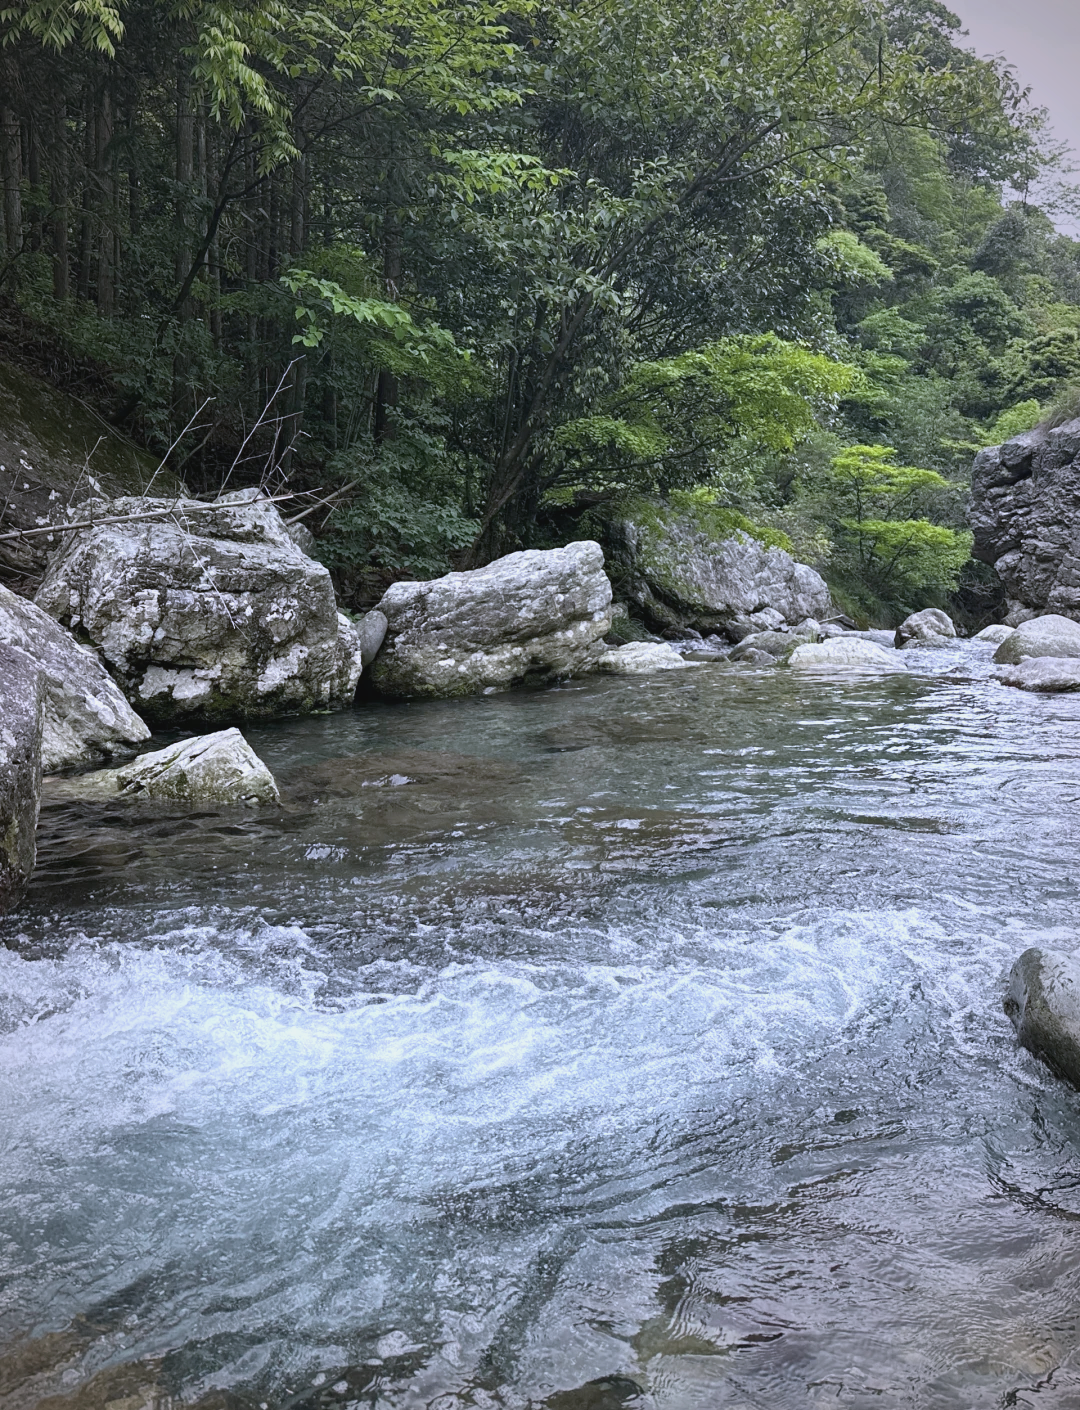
x=1025 y=515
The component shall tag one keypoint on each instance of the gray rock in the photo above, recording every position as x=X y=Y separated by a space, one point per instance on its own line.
x=921 y=626
x=302 y=536
x=1043 y=1001
x=924 y=643
x=845 y=653
x=775 y=644
x=86 y=716
x=639 y=658
x=1051 y=635
x=753 y=657
x=538 y=614
x=211 y=612
x=211 y=768
x=22 y=700
x=995 y=633
x=875 y=634
x=672 y=564
x=1025 y=515
x=371 y=633
x=1046 y=673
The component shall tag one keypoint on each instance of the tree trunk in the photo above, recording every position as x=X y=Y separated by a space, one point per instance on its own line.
x=11 y=161
x=105 y=201
x=58 y=195
x=386 y=389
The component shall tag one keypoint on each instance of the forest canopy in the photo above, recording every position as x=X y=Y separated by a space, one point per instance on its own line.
x=472 y=269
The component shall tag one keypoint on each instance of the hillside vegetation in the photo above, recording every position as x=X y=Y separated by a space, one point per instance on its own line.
x=478 y=270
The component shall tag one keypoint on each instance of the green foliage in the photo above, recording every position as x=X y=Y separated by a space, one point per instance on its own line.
x=499 y=257
x=679 y=420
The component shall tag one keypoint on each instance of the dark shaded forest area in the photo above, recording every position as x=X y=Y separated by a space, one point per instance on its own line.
x=474 y=273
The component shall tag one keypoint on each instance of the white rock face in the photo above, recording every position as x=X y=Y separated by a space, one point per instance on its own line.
x=85 y=714
x=211 y=768
x=211 y=613
x=929 y=626
x=680 y=575
x=538 y=614
x=640 y=658
x=1047 y=673
x=1041 y=636
x=846 y=653
x=996 y=633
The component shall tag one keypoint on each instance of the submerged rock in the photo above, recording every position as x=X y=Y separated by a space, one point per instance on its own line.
x=211 y=768
x=846 y=653
x=996 y=633
x=639 y=658
x=208 y=612
x=683 y=568
x=534 y=615
x=778 y=645
x=1046 y=673
x=931 y=626
x=1041 y=636
x=1043 y=1002
x=85 y=714
x=22 y=700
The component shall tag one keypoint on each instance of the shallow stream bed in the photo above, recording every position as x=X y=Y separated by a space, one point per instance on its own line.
x=642 y=1031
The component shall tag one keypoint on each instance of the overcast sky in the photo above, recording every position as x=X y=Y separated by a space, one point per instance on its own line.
x=1041 y=38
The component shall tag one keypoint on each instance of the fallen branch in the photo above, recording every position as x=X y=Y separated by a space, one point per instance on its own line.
x=190 y=508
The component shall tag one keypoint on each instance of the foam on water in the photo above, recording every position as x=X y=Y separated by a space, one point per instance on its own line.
x=740 y=1152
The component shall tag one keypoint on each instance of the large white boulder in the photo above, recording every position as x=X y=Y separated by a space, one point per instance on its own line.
x=534 y=615
x=85 y=714
x=1041 y=636
x=845 y=653
x=690 y=567
x=205 y=611
x=22 y=699
x=210 y=768
x=996 y=633
x=640 y=658
x=1044 y=673
x=930 y=627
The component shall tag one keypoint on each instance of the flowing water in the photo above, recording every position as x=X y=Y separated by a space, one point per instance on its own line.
x=636 y=1042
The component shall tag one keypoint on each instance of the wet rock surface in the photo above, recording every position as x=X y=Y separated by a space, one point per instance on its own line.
x=845 y=653
x=1043 y=673
x=207 y=612
x=1043 y=1002
x=22 y=698
x=211 y=768
x=1050 y=635
x=86 y=717
x=532 y=616
x=641 y=657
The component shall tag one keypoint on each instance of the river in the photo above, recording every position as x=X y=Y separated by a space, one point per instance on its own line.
x=641 y=1031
